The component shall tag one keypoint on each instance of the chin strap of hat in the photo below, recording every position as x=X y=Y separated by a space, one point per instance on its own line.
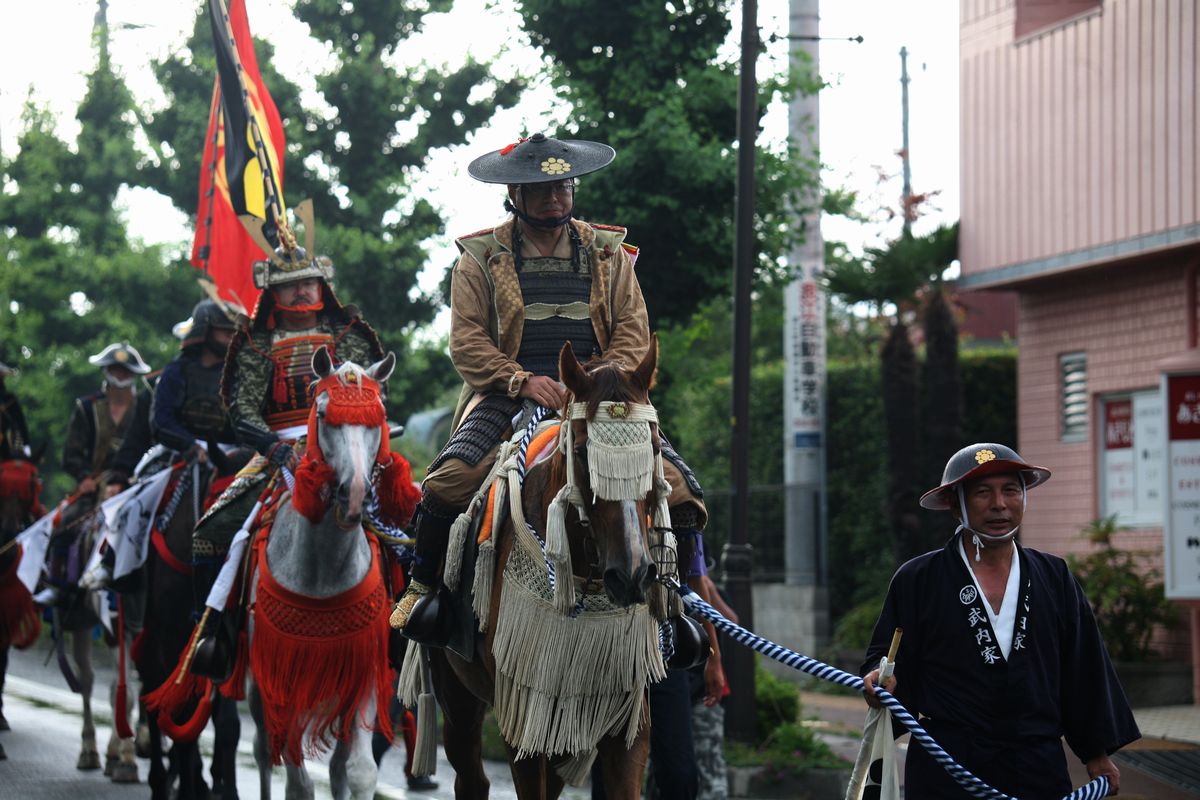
x=979 y=539
x=549 y=224
x=576 y=242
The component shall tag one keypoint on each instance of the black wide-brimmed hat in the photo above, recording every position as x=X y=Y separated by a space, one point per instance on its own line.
x=540 y=159
x=979 y=461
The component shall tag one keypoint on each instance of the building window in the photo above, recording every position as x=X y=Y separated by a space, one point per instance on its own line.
x=1036 y=16
x=1074 y=396
x=1132 y=457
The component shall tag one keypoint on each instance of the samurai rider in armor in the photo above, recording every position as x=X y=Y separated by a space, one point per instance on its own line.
x=267 y=373
x=14 y=434
x=98 y=426
x=182 y=413
x=519 y=292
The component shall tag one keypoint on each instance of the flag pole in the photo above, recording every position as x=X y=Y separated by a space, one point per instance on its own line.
x=274 y=204
x=875 y=766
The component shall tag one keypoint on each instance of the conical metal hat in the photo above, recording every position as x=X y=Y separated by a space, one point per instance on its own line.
x=540 y=159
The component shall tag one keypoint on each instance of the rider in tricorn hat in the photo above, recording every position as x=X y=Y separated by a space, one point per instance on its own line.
x=98 y=426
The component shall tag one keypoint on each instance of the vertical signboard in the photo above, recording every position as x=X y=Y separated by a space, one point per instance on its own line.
x=1118 y=458
x=1181 y=550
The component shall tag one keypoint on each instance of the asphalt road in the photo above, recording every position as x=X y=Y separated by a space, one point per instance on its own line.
x=43 y=745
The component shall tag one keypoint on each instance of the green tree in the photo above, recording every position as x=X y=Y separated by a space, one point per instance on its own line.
x=72 y=282
x=889 y=279
x=105 y=157
x=645 y=77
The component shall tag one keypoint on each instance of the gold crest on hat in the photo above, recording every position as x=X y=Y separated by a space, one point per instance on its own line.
x=984 y=456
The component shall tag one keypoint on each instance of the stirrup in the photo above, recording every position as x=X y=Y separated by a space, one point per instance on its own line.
x=404 y=606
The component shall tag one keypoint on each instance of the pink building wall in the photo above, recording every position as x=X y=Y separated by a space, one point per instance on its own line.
x=1079 y=137
x=1081 y=192
x=1126 y=318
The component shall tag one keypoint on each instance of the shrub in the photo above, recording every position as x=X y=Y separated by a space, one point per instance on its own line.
x=1125 y=591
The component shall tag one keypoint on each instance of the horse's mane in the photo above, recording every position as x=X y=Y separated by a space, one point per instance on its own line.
x=610 y=381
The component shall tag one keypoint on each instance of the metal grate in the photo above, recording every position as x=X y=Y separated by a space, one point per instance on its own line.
x=1175 y=767
x=1073 y=395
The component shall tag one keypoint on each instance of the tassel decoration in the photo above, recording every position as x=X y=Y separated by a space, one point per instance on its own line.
x=452 y=573
x=425 y=752
x=314 y=481
x=408 y=689
x=481 y=588
x=398 y=495
x=234 y=687
x=558 y=549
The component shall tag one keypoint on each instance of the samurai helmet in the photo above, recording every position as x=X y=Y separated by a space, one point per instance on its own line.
x=978 y=461
x=289 y=262
x=206 y=316
x=120 y=354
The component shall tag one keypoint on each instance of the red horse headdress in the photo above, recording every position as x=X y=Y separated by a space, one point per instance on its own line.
x=354 y=399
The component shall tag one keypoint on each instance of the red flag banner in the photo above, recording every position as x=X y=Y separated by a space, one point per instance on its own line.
x=237 y=184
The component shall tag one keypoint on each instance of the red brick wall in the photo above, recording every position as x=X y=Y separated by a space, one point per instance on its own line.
x=1126 y=319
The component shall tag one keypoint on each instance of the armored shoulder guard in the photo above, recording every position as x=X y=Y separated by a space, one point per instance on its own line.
x=608 y=237
x=479 y=245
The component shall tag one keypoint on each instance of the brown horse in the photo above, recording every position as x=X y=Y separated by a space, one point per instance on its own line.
x=166 y=630
x=609 y=554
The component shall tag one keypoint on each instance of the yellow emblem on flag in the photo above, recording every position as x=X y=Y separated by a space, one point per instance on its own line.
x=984 y=456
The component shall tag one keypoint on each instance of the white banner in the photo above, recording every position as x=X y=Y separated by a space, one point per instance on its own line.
x=133 y=522
x=34 y=540
x=128 y=518
x=874 y=772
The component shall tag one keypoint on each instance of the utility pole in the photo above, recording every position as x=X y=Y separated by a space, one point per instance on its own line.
x=737 y=557
x=802 y=620
x=906 y=198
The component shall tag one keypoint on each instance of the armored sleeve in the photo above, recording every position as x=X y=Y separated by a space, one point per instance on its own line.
x=164 y=410
x=630 y=326
x=476 y=356
x=248 y=381
x=80 y=441
x=354 y=346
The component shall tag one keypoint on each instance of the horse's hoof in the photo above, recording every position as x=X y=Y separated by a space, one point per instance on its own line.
x=422 y=782
x=88 y=759
x=125 y=773
x=4 y=726
x=110 y=764
x=3 y=755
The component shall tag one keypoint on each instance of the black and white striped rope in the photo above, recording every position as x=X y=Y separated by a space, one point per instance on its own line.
x=181 y=487
x=1098 y=788
x=539 y=414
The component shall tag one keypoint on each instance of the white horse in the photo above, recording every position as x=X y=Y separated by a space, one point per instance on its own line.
x=305 y=695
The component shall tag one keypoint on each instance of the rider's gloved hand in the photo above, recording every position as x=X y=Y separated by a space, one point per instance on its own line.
x=282 y=454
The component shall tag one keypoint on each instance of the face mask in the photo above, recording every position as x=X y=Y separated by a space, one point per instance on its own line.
x=119 y=383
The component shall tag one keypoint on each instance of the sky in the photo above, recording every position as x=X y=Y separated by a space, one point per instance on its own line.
x=860 y=113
